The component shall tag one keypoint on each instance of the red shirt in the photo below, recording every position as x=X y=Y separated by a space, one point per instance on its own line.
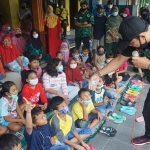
x=123 y=67
x=34 y=95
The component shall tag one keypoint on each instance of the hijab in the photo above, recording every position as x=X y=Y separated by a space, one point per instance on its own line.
x=51 y=19
x=73 y=74
x=127 y=12
x=36 y=42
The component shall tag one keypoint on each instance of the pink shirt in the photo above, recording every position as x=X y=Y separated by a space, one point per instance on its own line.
x=123 y=67
x=38 y=71
x=55 y=83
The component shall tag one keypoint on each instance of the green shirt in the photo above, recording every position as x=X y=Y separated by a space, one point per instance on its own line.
x=81 y=18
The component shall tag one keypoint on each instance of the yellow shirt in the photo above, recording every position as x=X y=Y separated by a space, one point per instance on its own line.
x=61 y=127
x=77 y=110
x=64 y=13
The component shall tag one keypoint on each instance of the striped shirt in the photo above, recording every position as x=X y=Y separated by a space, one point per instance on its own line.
x=55 y=83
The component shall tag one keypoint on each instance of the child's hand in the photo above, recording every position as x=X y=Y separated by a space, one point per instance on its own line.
x=106 y=100
x=45 y=106
x=85 y=145
x=29 y=106
x=22 y=121
x=82 y=104
x=78 y=147
x=99 y=116
x=111 y=103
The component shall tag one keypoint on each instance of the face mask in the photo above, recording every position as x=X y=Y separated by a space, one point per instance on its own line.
x=60 y=69
x=99 y=87
x=110 y=6
x=73 y=66
x=62 y=6
x=23 y=7
x=64 y=110
x=124 y=15
x=115 y=14
x=9 y=28
x=83 y=9
x=34 y=81
x=108 y=60
x=142 y=46
x=18 y=35
x=87 y=102
x=145 y=16
x=76 y=56
x=35 y=36
x=13 y=96
x=100 y=53
x=99 y=15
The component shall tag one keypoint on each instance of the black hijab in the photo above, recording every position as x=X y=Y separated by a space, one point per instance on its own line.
x=36 y=42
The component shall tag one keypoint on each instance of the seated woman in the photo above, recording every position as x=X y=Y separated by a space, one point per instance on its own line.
x=11 y=55
x=18 y=40
x=34 y=47
x=74 y=76
x=54 y=81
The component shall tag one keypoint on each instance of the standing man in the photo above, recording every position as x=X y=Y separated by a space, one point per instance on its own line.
x=99 y=28
x=136 y=34
x=62 y=13
x=83 y=22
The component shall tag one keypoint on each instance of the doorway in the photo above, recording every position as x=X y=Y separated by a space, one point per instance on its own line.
x=73 y=11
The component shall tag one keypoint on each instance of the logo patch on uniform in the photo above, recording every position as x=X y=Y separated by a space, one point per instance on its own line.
x=88 y=15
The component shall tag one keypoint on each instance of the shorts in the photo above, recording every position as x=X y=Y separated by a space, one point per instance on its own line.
x=5 y=123
x=79 y=123
x=80 y=131
x=97 y=43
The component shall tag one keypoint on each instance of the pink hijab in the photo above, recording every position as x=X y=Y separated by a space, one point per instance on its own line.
x=127 y=11
x=19 y=42
x=64 y=49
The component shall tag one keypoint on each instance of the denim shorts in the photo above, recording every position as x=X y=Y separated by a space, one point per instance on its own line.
x=80 y=131
x=79 y=123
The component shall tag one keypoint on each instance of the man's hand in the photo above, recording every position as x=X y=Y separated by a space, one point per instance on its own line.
x=141 y=62
x=94 y=79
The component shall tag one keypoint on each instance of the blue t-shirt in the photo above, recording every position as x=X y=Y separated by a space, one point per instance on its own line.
x=40 y=138
x=99 y=27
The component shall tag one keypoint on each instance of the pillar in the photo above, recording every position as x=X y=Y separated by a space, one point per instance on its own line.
x=38 y=23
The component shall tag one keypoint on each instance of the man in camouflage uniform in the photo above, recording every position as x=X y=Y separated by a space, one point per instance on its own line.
x=83 y=22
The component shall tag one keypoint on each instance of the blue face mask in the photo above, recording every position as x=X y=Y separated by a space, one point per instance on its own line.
x=64 y=110
x=60 y=69
x=115 y=14
x=145 y=16
x=87 y=102
x=76 y=56
x=13 y=96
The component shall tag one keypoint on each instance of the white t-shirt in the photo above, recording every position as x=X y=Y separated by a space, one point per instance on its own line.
x=7 y=109
x=99 y=96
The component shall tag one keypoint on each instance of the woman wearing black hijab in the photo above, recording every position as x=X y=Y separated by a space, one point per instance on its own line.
x=35 y=47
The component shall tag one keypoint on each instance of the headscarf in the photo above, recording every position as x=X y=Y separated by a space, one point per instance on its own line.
x=114 y=22
x=73 y=74
x=51 y=19
x=8 y=53
x=127 y=12
x=36 y=42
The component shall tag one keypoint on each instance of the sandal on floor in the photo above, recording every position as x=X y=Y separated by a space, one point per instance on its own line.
x=115 y=115
x=106 y=133
x=109 y=130
x=127 y=111
x=127 y=103
x=128 y=100
x=115 y=120
x=137 y=89
x=128 y=108
x=139 y=119
x=128 y=96
x=130 y=92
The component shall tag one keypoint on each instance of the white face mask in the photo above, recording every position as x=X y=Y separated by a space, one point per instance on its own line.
x=33 y=82
x=99 y=87
x=108 y=60
x=73 y=66
x=110 y=6
x=9 y=28
x=62 y=6
x=124 y=15
x=35 y=36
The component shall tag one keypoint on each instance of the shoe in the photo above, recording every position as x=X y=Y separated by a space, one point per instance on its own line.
x=115 y=120
x=139 y=119
x=129 y=103
x=109 y=130
x=106 y=133
x=142 y=140
x=119 y=116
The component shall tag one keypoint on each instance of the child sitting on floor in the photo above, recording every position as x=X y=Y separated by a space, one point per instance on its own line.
x=10 y=142
x=38 y=133
x=74 y=76
x=11 y=115
x=34 y=64
x=101 y=102
x=83 y=111
x=99 y=58
x=60 y=56
x=33 y=91
x=63 y=125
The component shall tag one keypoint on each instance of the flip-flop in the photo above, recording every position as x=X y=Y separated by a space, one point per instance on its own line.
x=128 y=108
x=109 y=130
x=129 y=100
x=127 y=103
x=115 y=120
x=115 y=115
x=134 y=85
x=137 y=89
x=128 y=112
x=131 y=97
x=137 y=82
x=106 y=133
x=139 y=119
x=132 y=92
